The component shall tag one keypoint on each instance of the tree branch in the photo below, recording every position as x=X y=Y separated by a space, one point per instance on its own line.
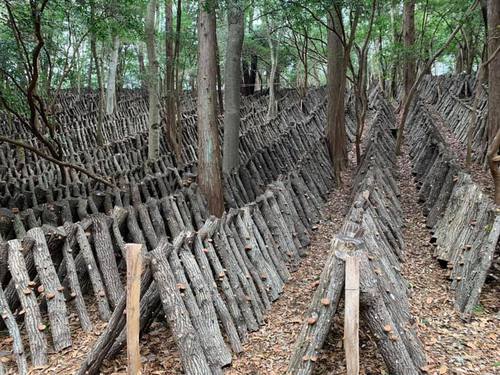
x=56 y=161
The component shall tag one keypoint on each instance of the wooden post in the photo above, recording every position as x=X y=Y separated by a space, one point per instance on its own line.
x=351 y=319
x=134 y=268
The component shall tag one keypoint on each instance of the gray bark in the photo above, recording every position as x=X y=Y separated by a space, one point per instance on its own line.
x=153 y=84
x=232 y=81
x=111 y=85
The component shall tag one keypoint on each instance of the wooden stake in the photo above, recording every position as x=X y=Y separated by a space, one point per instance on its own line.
x=351 y=320
x=134 y=268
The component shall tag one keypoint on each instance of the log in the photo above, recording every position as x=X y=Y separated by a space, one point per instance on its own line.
x=321 y=311
x=75 y=291
x=33 y=319
x=93 y=272
x=200 y=309
x=186 y=337
x=58 y=315
x=376 y=315
x=17 y=343
x=116 y=324
x=107 y=261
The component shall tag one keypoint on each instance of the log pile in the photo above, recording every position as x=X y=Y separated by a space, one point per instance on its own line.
x=453 y=98
x=214 y=279
x=124 y=160
x=372 y=232
x=462 y=219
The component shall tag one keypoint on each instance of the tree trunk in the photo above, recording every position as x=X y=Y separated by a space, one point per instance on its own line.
x=100 y=87
x=232 y=83
x=111 y=85
x=172 y=128
x=409 y=41
x=142 y=67
x=484 y=14
x=220 y=95
x=494 y=93
x=396 y=38
x=336 y=133
x=89 y=73
x=272 y=109
x=152 y=80
x=209 y=158
x=494 y=69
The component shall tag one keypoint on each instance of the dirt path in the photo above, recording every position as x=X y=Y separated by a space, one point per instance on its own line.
x=268 y=350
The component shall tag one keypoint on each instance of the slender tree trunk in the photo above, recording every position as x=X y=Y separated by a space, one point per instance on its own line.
x=272 y=109
x=220 y=95
x=179 y=78
x=111 y=85
x=250 y=68
x=100 y=88
x=494 y=69
x=89 y=72
x=120 y=70
x=142 y=66
x=232 y=83
x=153 y=84
x=395 y=40
x=336 y=133
x=361 y=83
x=209 y=157
x=170 y=91
x=409 y=43
x=484 y=14
x=494 y=94
x=380 y=49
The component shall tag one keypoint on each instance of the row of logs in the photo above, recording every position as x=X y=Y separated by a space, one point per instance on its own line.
x=462 y=219
x=125 y=161
x=372 y=232
x=454 y=99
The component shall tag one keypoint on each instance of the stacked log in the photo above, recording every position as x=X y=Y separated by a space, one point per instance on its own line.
x=453 y=98
x=225 y=276
x=371 y=231
x=462 y=219
x=124 y=158
x=222 y=279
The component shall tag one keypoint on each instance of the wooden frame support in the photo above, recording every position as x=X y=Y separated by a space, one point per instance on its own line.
x=134 y=268
x=351 y=316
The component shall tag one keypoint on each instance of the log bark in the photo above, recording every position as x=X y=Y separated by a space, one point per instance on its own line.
x=192 y=355
x=56 y=304
x=33 y=319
